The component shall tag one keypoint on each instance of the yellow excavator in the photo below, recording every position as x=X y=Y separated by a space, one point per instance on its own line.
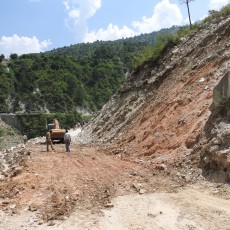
x=57 y=134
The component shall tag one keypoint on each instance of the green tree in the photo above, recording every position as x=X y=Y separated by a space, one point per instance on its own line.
x=7 y=88
x=13 y=56
x=2 y=57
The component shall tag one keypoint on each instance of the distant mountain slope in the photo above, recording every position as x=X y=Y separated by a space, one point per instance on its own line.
x=120 y=46
x=69 y=79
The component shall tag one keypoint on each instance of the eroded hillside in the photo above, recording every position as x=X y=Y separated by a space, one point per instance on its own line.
x=161 y=111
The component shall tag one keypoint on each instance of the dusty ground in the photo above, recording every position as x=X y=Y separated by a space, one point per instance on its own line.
x=93 y=189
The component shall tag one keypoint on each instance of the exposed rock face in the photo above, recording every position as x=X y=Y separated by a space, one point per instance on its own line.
x=162 y=109
x=221 y=92
x=214 y=148
x=214 y=144
x=9 y=137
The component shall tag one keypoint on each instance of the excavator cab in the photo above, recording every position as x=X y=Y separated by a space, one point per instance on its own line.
x=51 y=126
x=57 y=134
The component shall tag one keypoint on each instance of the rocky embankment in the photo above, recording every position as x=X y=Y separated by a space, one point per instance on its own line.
x=9 y=137
x=214 y=149
x=161 y=111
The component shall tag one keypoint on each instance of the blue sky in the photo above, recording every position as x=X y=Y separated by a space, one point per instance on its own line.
x=33 y=26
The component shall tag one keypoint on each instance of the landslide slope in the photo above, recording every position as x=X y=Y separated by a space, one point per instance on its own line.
x=162 y=109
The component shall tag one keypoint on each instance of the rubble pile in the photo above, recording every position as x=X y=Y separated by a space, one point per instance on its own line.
x=11 y=160
x=214 y=150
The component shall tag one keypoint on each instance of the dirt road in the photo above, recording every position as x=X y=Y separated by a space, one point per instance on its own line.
x=187 y=209
x=92 y=189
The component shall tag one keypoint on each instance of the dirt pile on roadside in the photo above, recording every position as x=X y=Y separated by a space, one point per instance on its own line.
x=54 y=184
x=214 y=147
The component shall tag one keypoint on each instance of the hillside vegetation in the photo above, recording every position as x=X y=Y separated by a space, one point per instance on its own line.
x=69 y=78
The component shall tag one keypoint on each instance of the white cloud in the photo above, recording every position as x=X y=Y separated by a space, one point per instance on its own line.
x=79 y=11
x=165 y=15
x=112 y=32
x=217 y=4
x=22 y=45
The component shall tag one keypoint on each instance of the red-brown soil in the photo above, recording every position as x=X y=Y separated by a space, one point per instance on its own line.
x=54 y=183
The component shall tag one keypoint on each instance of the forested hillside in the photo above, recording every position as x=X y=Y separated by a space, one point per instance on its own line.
x=79 y=76
x=58 y=83
x=126 y=49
